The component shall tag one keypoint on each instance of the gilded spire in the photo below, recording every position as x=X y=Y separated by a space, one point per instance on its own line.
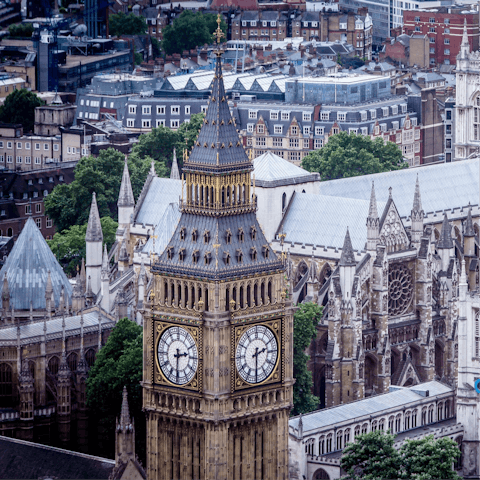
x=174 y=173
x=347 y=258
x=445 y=240
x=125 y=197
x=94 y=227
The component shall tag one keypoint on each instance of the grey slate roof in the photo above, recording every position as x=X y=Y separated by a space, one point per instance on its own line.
x=272 y=170
x=33 y=332
x=21 y=459
x=161 y=192
x=164 y=229
x=27 y=269
x=328 y=219
x=368 y=406
x=444 y=186
x=218 y=143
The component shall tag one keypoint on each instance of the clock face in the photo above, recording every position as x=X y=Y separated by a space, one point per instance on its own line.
x=256 y=354
x=177 y=355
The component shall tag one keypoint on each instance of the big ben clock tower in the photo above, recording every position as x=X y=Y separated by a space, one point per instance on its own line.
x=217 y=380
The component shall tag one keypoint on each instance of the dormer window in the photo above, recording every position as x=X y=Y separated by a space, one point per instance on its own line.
x=265 y=251
x=183 y=232
x=195 y=256
x=253 y=253
x=226 y=258
x=40 y=180
x=208 y=258
x=181 y=254
x=30 y=182
x=241 y=235
x=206 y=236
x=194 y=235
x=239 y=255
x=253 y=232
x=228 y=237
x=170 y=252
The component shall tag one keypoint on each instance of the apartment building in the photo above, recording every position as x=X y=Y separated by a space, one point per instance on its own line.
x=444 y=28
x=260 y=25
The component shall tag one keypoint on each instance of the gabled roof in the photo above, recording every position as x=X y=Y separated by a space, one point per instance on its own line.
x=27 y=269
x=272 y=170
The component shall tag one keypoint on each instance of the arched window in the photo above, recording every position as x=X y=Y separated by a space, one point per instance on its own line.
x=339 y=440
x=6 y=385
x=90 y=357
x=390 y=424
x=9 y=232
x=357 y=431
x=53 y=365
x=284 y=201
x=321 y=446
x=476 y=118
x=72 y=360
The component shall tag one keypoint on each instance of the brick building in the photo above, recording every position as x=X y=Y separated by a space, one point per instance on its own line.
x=254 y=25
x=444 y=28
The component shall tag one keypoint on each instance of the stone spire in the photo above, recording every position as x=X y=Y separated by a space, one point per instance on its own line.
x=174 y=173
x=5 y=295
x=373 y=222
x=152 y=171
x=125 y=197
x=125 y=434
x=105 y=282
x=469 y=230
x=465 y=46
x=445 y=241
x=417 y=215
x=49 y=301
x=94 y=227
x=105 y=261
x=347 y=258
x=125 y=413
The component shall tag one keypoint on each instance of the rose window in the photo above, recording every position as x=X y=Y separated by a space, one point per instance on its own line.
x=400 y=289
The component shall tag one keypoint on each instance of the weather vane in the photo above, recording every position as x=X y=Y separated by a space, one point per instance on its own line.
x=218 y=32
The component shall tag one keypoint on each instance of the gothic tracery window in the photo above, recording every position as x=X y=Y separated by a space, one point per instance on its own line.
x=400 y=289
x=476 y=118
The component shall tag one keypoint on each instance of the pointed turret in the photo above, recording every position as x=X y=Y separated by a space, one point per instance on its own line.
x=49 y=293
x=469 y=230
x=125 y=434
x=373 y=222
x=347 y=265
x=94 y=239
x=141 y=284
x=105 y=282
x=465 y=46
x=174 y=173
x=152 y=171
x=126 y=202
x=417 y=216
x=445 y=243
x=5 y=295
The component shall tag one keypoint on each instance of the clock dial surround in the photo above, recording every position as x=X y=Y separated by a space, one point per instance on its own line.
x=177 y=355
x=256 y=354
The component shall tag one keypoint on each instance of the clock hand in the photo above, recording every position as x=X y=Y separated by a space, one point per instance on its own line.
x=255 y=356
x=177 y=356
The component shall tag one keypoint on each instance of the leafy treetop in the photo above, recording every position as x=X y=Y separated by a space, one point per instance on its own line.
x=190 y=30
x=304 y=331
x=123 y=24
x=350 y=155
x=373 y=456
x=69 y=246
x=117 y=364
x=24 y=30
x=19 y=107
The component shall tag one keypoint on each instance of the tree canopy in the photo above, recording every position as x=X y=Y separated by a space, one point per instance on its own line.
x=69 y=205
x=69 y=246
x=190 y=30
x=118 y=364
x=374 y=456
x=24 y=30
x=127 y=24
x=159 y=143
x=350 y=155
x=304 y=330
x=19 y=107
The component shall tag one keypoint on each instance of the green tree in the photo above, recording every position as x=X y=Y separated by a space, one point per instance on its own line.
x=427 y=458
x=349 y=155
x=24 y=30
x=127 y=24
x=305 y=323
x=371 y=456
x=19 y=107
x=156 y=47
x=69 y=205
x=190 y=30
x=69 y=246
x=159 y=143
x=118 y=364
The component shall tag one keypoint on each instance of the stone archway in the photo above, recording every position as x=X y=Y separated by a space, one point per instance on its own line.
x=320 y=474
x=370 y=375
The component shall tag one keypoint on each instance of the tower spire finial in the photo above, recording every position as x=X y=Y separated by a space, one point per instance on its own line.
x=445 y=240
x=94 y=227
x=417 y=199
x=174 y=173
x=218 y=32
x=347 y=258
x=372 y=209
x=125 y=196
